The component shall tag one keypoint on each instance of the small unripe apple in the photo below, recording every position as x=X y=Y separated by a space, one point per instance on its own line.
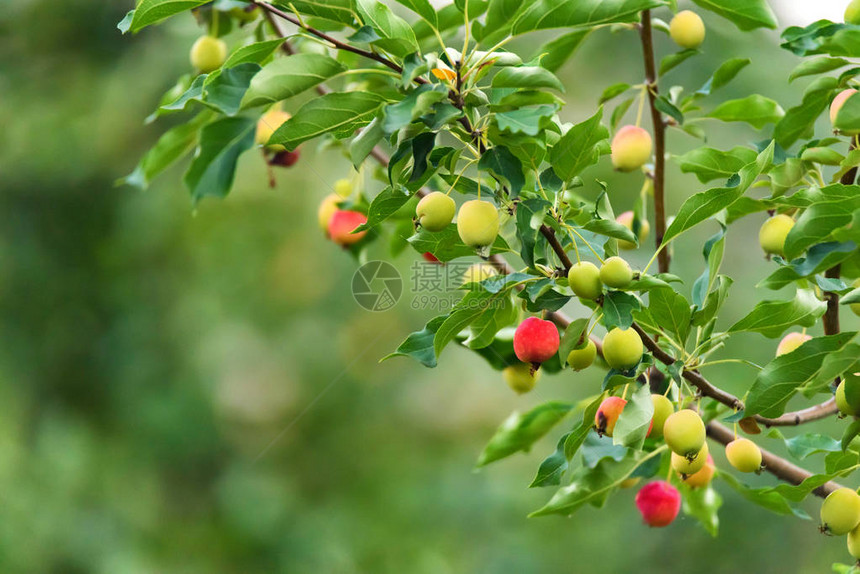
x=703 y=477
x=772 y=234
x=479 y=272
x=631 y=148
x=436 y=211
x=615 y=272
x=687 y=467
x=744 y=455
x=536 y=340
x=852 y=12
x=791 y=342
x=854 y=543
x=343 y=223
x=520 y=377
x=267 y=125
x=208 y=53
x=622 y=349
x=607 y=415
x=684 y=433
x=343 y=187
x=327 y=208
x=663 y=408
x=626 y=219
x=840 y=512
x=687 y=29
x=848 y=403
x=478 y=223
x=579 y=359
x=659 y=503
x=584 y=280
x=836 y=105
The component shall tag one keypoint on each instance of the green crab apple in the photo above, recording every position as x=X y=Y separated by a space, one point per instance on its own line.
x=208 y=53
x=343 y=187
x=855 y=307
x=479 y=272
x=688 y=467
x=631 y=148
x=626 y=219
x=663 y=408
x=836 y=105
x=580 y=359
x=659 y=503
x=744 y=455
x=607 y=415
x=703 y=476
x=327 y=208
x=268 y=123
x=478 y=223
x=615 y=272
x=436 y=211
x=852 y=12
x=684 y=433
x=622 y=349
x=791 y=342
x=687 y=29
x=854 y=543
x=520 y=377
x=848 y=403
x=840 y=512
x=343 y=223
x=772 y=234
x=536 y=341
x=584 y=280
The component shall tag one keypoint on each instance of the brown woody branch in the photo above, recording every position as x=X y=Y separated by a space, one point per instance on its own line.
x=659 y=141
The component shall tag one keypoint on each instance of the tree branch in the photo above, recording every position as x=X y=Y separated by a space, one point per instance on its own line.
x=659 y=141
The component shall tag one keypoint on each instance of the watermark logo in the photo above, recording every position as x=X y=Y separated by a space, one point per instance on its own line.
x=377 y=286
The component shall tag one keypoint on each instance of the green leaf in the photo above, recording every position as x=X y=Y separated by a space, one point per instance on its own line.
x=544 y=14
x=171 y=146
x=396 y=35
x=635 y=419
x=419 y=345
x=214 y=167
x=286 y=77
x=618 y=308
x=417 y=103
x=384 y=205
x=804 y=445
x=723 y=75
x=755 y=110
x=336 y=10
x=364 y=142
x=530 y=121
x=815 y=66
x=527 y=77
x=520 y=431
x=579 y=147
x=823 y=37
x=705 y=204
x=703 y=504
x=610 y=228
x=500 y=313
x=765 y=497
x=500 y=161
x=836 y=209
x=799 y=121
x=780 y=379
x=671 y=311
x=150 y=12
x=709 y=164
x=573 y=334
x=772 y=318
x=577 y=436
x=851 y=432
x=422 y=8
x=673 y=60
x=816 y=260
x=745 y=14
x=553 y=467
x=557 y=51
x=337 y=113
x=225 y=88
x=255 y=53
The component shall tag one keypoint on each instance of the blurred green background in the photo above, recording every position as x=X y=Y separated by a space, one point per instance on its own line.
x=195 y=391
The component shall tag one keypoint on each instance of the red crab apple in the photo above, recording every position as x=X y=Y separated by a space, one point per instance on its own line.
x=342 y=224
x=536 y=340
x=659 y=503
